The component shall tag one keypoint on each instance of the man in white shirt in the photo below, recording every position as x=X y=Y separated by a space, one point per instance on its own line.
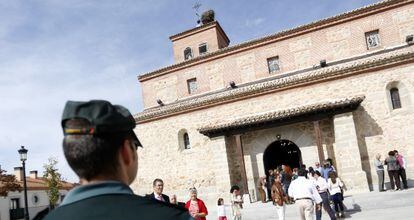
x=322 y=187
x=305 y=194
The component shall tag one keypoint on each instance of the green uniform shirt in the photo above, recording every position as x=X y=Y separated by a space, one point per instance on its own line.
x=113 y=200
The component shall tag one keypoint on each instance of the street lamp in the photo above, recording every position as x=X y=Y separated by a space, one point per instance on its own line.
x=23 y=158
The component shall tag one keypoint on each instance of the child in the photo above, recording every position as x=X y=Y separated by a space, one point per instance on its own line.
x=236 y=202
x=221 y=210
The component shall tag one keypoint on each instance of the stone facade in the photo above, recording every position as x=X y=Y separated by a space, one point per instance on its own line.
x=351 y=138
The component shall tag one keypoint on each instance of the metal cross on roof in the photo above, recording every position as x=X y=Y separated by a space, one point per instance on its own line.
x=196 y=6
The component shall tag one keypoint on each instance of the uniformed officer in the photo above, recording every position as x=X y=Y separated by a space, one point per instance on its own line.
x=101 y=147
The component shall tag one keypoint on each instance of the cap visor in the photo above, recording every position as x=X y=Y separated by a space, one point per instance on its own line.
x=138 y=143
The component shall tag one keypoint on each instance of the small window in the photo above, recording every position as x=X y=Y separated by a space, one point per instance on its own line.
x=62 y=197
x=188 y=53
x=192 y=86
x=15 y=203
x=186 y=141
x=202 y=48
x=395 y=98
x=372 y=39
x=273 y=64
x=35 y=199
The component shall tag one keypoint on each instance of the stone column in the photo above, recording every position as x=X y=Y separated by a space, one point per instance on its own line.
x=221 y=167
x=251 y=184
x=318 y=138
x=240 y=155
x=346 y=149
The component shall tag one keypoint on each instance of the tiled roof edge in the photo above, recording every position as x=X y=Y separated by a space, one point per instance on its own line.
x=193 y=29
x=280 y=114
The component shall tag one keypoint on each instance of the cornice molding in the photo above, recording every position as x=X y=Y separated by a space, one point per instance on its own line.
x=362 y=65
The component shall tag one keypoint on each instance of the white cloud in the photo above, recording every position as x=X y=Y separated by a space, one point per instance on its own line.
x=254 y=22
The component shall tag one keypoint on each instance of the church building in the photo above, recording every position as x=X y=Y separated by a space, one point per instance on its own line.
x=222 y=115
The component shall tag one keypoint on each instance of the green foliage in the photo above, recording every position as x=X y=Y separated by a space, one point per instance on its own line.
x=8 y=183
x=53 y=180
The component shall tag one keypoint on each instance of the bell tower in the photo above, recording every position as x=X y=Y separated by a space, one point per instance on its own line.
x=206 y=38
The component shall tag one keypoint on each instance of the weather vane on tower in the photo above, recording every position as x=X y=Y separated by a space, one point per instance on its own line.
x=196 y=6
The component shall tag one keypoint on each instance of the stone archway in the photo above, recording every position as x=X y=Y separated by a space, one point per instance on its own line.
x=282 y=152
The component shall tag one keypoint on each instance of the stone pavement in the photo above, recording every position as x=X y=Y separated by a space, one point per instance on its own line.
x=364 y=206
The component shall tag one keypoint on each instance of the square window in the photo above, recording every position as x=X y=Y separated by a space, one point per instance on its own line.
x=202 y=49
x=192 y=86
x=273 y=64
x=14 y=203
x=372 y=39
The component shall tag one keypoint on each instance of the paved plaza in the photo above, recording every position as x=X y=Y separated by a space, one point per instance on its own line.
x=365 y=206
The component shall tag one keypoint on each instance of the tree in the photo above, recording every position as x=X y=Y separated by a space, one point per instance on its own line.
x=8 y=183
x=53 y=181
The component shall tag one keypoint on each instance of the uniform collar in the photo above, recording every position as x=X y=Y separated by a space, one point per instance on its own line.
x=96 y=189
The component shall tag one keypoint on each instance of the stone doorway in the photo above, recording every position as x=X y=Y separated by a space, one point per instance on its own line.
x=281 y=152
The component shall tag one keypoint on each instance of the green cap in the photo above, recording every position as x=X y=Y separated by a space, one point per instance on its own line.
x=104 y=117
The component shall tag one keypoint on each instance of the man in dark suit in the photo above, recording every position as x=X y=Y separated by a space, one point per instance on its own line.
x=158 y=187
x=101 y=147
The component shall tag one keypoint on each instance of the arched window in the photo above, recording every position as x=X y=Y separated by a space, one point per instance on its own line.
x=186 y=141
x=395 y=98
x=188 y=53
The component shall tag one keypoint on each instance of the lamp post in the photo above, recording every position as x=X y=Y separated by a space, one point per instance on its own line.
x=23 y=158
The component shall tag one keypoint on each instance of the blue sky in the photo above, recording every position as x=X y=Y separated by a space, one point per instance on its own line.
x=52 y=51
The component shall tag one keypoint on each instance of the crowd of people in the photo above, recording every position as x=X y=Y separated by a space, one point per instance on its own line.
x=195 y=206
x=311 y=188
x=318 y=187
x=396 y=165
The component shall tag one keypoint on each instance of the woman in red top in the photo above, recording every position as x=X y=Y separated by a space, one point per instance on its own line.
x=196 y=206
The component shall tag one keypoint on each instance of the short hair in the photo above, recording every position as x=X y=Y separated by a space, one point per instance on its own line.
x=396 y=151
x=220 y=201
x=318 y=173
x=332 y=175
x=233 y=188
x=193 y=190
x=391 y=153
x=301 y=172
x=157 y=180
x=92 y=155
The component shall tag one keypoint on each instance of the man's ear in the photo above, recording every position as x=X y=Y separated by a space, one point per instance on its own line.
x=126 y=152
